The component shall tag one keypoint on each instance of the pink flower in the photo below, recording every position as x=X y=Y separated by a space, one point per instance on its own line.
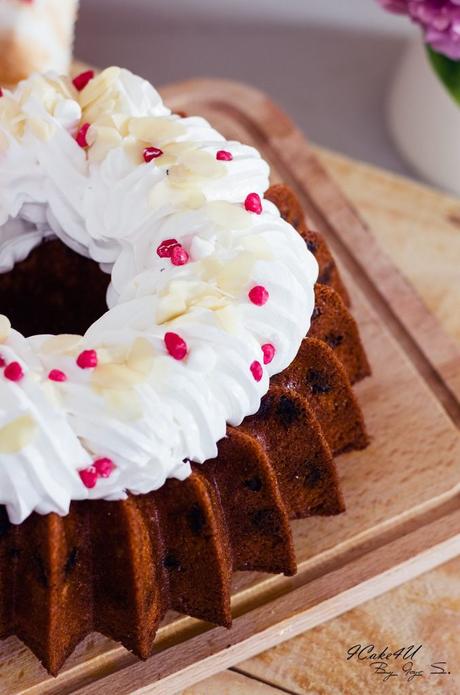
x=439 y=19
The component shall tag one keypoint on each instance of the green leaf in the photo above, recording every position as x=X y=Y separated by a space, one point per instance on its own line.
x=448 y=72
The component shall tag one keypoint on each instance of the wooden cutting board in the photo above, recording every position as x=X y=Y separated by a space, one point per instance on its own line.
x=402 y=493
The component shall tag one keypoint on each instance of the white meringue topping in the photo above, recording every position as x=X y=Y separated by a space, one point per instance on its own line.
x=121 y=393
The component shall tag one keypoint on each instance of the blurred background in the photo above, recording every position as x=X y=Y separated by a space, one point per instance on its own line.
x=327 y=62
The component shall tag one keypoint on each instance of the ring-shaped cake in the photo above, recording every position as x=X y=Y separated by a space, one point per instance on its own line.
x=211 y=291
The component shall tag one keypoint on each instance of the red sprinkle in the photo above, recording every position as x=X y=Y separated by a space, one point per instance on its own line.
x=1 y=92
x=166 y=247
x=179 y=255
x=257 y=370
x=104 y=467
x=57 y=375
x=176 y=346
x=224 y=156
x=13 y=371
x=2 y=361
x=89 y=477
x=81 y=135
x=269 y=352
x=81 y=80
x=87 y=359
x=258 y=295
x=253 y=203
x=151 y=153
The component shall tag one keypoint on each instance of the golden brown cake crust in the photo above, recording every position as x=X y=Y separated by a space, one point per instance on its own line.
x=291 y=211
x=117 y=567
x=333 y=324
x=245 y=478
x=317 y=375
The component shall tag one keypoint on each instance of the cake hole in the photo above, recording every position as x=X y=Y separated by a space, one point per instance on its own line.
x=54 y=290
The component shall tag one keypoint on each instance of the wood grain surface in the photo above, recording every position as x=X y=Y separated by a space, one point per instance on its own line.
x=232 y=683
x=402 y=493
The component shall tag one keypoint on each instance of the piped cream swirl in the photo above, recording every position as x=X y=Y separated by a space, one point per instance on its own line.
x=146 y=411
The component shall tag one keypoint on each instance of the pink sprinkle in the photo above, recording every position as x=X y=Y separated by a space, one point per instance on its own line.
x=89 y=477
x=256 y=370
x=81 y=135
x=87 y=359
x=258 y=295
x=224 y=156
x=57 y=375
x=269 y=352
x=253 y=203
x=81 y=80
x=104 y=467
x=13 y=371
x=166 y=247
x=151 y=153
x=179 y=255
x=176 y=346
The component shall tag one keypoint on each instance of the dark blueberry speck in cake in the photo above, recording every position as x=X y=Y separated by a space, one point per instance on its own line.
x=325 y=276
x=316 y=313
x=334 y=339
x=71 y=561
x=265 y=520
x=196 y=519
x=313 y=475
x=4 y=526
x=318 y=382
x=311 y=246
x=288 y=411
x=266 y=406
x=171 y=562
x=42 y=576
x=253 y=484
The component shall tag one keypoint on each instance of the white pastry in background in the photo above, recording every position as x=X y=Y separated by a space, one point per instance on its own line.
x=35 y=35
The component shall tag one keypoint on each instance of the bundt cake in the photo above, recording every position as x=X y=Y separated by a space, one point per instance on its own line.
x=174 y=435
x=35 y=35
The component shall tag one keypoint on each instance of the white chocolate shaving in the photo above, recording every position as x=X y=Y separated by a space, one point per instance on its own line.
x=17 y=434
